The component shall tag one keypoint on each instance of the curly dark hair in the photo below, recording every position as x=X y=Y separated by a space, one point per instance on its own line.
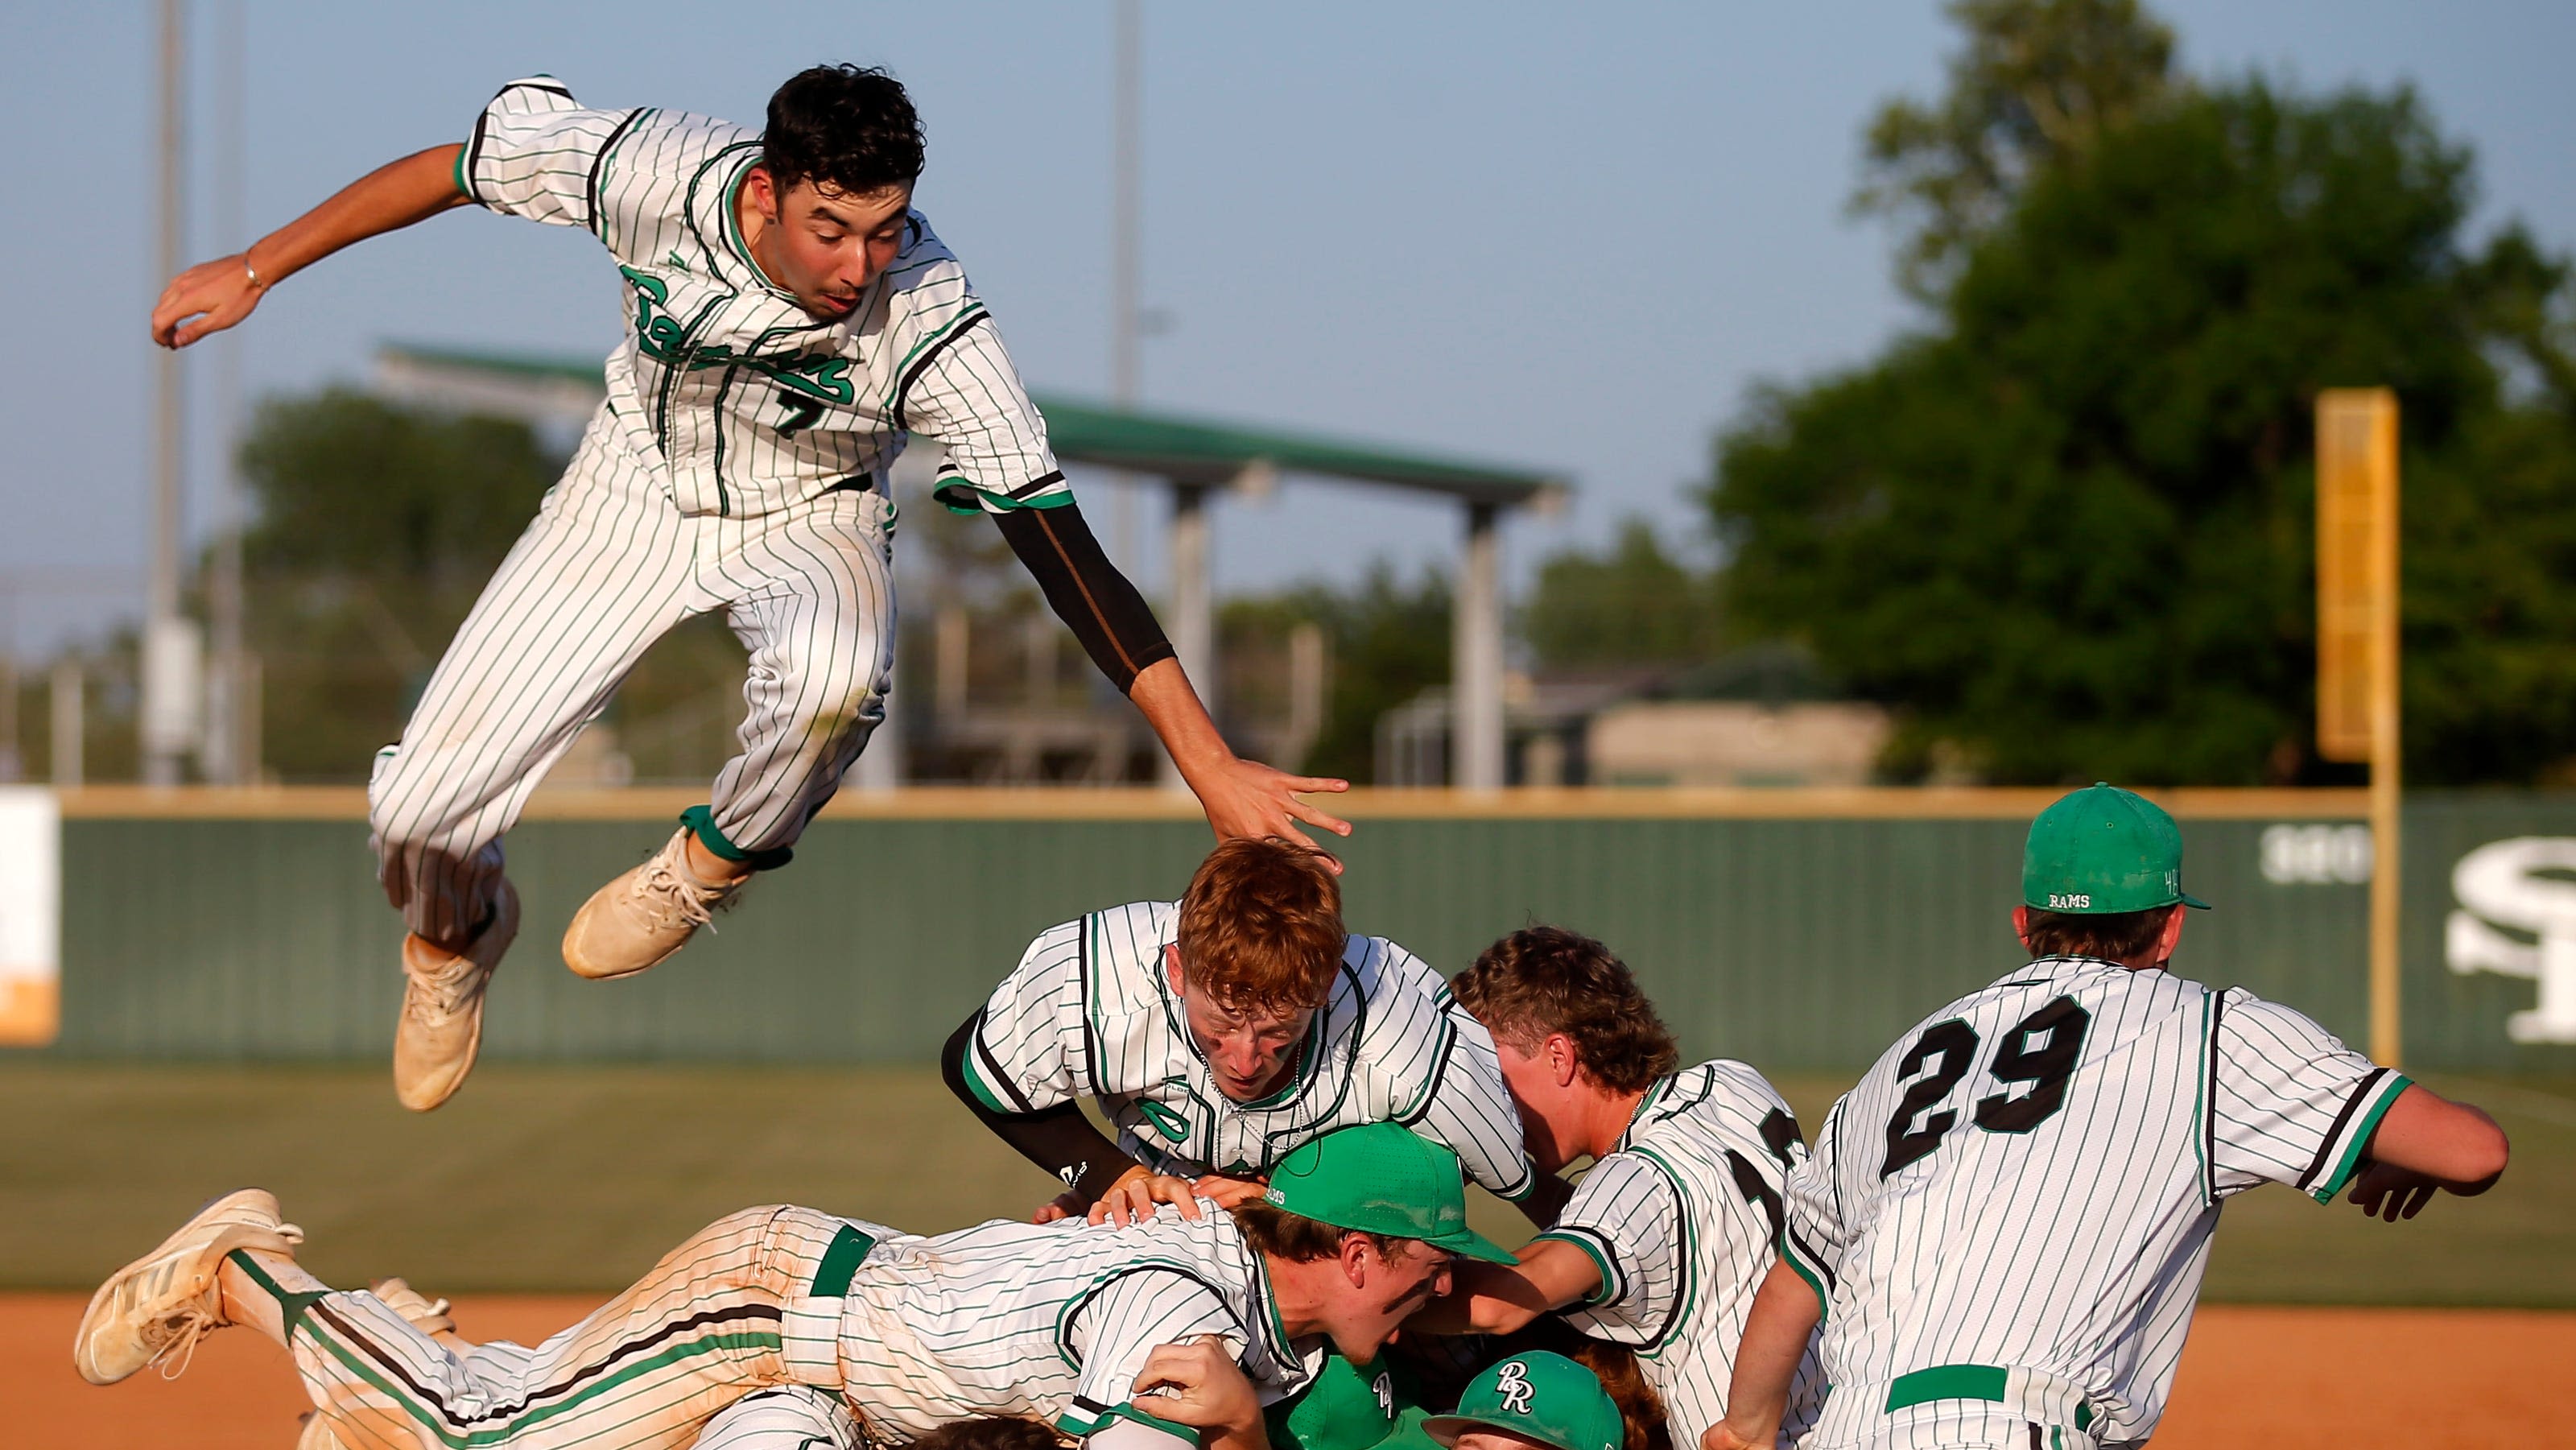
x=2113 y=936
x=1543 y=980
x=991 y=1432
x=847 y=127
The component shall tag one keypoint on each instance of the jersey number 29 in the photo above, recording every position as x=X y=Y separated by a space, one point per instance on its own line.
x=2040 y=1050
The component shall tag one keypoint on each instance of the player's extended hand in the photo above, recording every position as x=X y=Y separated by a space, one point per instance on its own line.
x=1067 y=1204
x=2386 y=1191
x=1198 y=1384
x=216 y=294
x=1229 y=1192
x=1722 y=1436
x=1132 y=1198
x=1245 y=798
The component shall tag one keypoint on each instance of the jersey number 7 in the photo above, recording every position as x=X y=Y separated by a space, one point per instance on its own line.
x=2040 y=1050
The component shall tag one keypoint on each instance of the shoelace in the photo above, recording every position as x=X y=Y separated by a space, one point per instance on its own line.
x=671 y=898
x=445 y=991
x=195 y=1319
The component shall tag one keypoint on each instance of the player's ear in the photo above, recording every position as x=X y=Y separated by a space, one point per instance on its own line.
x=1356 y=1250
x=1562 y=1061
x=2021 y=925
x=2171 y=937
x=1172 y=965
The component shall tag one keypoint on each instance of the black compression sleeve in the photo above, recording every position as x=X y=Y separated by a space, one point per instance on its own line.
x=1058 y=1139
x=1086 y=591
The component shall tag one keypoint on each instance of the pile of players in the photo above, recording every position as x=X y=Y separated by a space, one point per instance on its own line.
x=1995 y=1239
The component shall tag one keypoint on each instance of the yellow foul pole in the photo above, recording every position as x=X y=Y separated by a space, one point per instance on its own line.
x=2357 y=658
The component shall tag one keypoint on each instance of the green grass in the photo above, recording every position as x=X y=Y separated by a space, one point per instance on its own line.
x=578 y=1177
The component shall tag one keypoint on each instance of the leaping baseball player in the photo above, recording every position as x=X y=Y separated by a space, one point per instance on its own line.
x=792 y=321
x=2002 y=1228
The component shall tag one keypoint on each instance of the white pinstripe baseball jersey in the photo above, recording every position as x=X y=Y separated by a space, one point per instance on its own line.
x=1090 y=1010
x=751 y=403
x=1054 y=1320
x=2022 y=1191
x=1680 y=1217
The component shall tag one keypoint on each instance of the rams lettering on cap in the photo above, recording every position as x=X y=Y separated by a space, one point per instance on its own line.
x=2069 y=900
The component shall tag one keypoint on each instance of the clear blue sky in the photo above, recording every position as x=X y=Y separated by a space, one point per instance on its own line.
x=1566 y=236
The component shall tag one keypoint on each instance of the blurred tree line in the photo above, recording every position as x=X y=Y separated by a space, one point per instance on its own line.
x=2062 y=528
x=2067 y=527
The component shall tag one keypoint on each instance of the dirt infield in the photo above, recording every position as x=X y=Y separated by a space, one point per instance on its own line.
x=2252 y=1379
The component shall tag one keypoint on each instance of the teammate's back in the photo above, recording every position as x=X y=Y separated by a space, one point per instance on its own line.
x=2003 y=1228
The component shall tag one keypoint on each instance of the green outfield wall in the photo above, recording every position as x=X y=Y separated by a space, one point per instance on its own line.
x=1799 y=932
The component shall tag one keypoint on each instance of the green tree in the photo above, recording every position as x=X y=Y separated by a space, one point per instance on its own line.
x=1631 y=603
x=2069 y=529
x=1388 y=642
x=2037 y=84
x=375 y=527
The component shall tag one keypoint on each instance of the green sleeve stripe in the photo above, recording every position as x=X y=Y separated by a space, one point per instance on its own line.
x=959 y=496
x=2333 y=1183
x=461 y=185
x=975 y=1084
x=1609 y=1289
x=1804 y=1270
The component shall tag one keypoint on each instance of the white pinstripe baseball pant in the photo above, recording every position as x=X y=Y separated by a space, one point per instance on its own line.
x=608 y=566
x=705 y=1328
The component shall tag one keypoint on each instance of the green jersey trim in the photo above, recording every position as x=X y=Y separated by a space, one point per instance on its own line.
x=1073 y=1424
x=2381 y=1097
x=1607 y=1292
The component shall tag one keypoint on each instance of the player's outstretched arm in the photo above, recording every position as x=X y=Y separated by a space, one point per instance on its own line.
x=211 y=296
x=1242 y=798
x=1504 y=1298
x=2425 y=1142
x=1785 y=1312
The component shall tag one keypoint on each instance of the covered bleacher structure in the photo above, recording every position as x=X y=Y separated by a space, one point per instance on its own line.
x=1194 y=458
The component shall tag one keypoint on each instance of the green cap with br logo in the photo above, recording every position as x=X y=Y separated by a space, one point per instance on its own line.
x=2102 y=850
x=1545 y=1397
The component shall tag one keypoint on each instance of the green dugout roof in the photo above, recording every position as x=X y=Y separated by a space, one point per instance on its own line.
x=1189 y=451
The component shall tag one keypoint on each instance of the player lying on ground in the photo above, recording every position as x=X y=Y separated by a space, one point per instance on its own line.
x=1222 y=1030
x=1670 y=1234
x=795 y=322
x=1064 y=1321
x=2003 y=1227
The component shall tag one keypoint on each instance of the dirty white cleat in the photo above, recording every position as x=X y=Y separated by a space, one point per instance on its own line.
x=427 y=1315
x=442 y=1010
x=639 y=919
x=164 y=1302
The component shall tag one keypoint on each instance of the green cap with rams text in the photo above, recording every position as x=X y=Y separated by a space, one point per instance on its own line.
x=1382 y=1178
x=1542 y=1396
x=2101 y=850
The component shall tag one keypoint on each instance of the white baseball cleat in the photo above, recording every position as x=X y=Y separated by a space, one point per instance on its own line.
x=164 y=1302
x=639 y=919
x=441 y=1026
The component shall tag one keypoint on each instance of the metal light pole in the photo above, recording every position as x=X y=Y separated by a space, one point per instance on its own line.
x=169 y=643
x=225 y=758
x=1126 y=187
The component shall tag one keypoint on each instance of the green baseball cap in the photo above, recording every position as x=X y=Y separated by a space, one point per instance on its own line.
x=1382 y=1178
x=1544 y=1396
x=2101 y=850
x=1347 y=1407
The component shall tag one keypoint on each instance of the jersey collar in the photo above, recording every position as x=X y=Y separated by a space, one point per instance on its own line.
x=1656 y=1091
